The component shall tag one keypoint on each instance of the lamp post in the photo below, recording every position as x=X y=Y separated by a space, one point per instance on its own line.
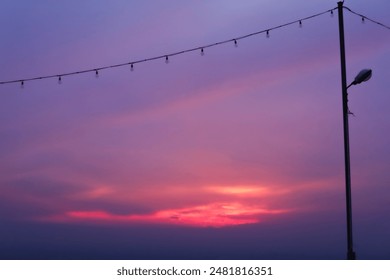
x=363 y=76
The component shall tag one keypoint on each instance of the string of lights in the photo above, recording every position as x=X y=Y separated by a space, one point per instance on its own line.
x=166 y=57
x=364 y=18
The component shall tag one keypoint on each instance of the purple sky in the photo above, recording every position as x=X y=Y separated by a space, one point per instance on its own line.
x=235 y=154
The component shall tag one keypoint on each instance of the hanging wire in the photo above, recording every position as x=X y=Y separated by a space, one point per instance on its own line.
x=366 y=18
x=201 y=49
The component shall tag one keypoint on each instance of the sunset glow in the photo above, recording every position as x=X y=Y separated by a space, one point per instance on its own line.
x=240 y=190
x=233 y=152
x=212 y=215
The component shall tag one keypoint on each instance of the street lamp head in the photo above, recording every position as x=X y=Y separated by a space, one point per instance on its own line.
x=363 y=76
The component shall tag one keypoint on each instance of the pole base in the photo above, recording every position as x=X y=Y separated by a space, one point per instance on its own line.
x=351 y=255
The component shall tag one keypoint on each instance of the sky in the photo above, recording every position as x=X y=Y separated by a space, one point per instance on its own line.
x=234 y=154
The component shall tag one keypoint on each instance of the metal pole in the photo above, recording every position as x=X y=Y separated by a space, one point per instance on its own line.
x=350 y=253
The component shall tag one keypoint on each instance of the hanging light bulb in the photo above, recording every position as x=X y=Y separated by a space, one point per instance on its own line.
x=202 y=52
x=331 y=13
x=21 y=84
x=59 y=80
x=132 y=67
x=300 y=23
x=96 y=73
x=166 y=59
x=235 y=43
x=363 y=20
x=267 y=34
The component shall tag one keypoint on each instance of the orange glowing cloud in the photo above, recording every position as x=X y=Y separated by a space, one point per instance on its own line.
x=209 y=215
x=242 y=190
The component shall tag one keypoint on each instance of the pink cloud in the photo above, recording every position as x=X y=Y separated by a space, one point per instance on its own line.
x=209 y=215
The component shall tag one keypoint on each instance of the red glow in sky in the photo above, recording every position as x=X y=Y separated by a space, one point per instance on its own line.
x=239 y=207
x=240 y=135
x=213 y=215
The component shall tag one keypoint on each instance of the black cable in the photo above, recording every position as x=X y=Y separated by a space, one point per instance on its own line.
x=166 y=56
x=366 y=18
